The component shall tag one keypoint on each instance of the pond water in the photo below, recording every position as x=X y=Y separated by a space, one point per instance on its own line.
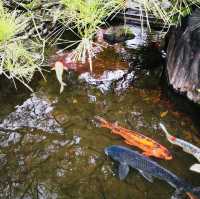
x=51 y=147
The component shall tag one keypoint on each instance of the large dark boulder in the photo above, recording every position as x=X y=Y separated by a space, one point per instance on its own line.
x=183 y=57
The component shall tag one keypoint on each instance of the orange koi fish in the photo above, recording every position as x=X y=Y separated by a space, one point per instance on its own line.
x=149 y=146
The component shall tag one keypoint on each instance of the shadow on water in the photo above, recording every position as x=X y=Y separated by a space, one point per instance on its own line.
x=182 y=103
x=51 y=147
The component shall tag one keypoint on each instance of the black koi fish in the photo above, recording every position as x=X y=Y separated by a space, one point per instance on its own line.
x=149 y=169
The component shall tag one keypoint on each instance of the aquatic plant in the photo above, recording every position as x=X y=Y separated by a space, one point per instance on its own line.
x=19 y=59
x=87 y=17
x=83 y=17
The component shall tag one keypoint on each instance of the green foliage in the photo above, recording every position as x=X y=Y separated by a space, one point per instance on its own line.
x=8 y=26
x=87 y=17
x=11 y=24
x=19 y=62
x=19 y=59
x=181 y=8
x=170 y=11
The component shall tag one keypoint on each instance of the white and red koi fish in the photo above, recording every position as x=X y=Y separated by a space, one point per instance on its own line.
x=186 y=146
x=59 y=68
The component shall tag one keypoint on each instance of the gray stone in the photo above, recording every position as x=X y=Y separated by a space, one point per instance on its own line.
x=183 y=57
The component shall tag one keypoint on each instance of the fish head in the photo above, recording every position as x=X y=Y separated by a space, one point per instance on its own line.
x=117 y=153
x=172 y=138
x=111 y=151
x=162 y=153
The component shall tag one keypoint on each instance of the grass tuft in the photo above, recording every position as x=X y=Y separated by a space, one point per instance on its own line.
x=19 y=57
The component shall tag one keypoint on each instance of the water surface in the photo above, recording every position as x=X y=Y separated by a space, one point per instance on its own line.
x=51 y=147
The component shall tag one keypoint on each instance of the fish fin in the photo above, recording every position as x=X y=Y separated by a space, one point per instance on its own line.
x=146 y=176
x=116 y=124
x=123 y=171
x=195 y=167
x=59 y=68
x=62 y=87
x=170 y=138
x=178 y=194
x=147 y=153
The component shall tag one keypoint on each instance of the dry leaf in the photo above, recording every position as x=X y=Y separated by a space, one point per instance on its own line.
x=163 y=114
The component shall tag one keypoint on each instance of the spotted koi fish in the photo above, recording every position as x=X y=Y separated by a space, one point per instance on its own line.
x=148 y=145
x=186 y=146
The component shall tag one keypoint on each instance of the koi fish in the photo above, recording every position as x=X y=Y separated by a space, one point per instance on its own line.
x=149 y=146
x=186 y=146
x=59 y=68
x=149 y=169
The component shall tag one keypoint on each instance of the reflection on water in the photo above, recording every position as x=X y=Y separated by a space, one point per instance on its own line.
x=143 y=36
x=53 y=149
x=105 y=82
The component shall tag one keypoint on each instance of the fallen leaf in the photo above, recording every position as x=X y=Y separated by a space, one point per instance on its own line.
x=163 y=114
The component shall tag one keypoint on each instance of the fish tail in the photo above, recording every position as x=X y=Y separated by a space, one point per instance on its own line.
x=194 y=193
x=165 y=130
x=103 y=122
x=62 y=84
x=195 y=167
x=59 y=68
x=179 y=193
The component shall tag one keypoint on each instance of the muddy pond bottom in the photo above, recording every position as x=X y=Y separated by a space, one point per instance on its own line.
x=52 y=148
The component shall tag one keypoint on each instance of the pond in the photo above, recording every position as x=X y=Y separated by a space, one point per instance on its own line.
x=51 y=146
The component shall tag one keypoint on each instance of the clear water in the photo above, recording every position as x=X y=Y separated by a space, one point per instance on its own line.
x=51 y=147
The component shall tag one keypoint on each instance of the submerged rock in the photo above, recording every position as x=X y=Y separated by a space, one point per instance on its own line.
x=117 y=34
x=109 y=67
x=183 y=57
x=121 y=79
x=9 y=138
x=34 y=113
